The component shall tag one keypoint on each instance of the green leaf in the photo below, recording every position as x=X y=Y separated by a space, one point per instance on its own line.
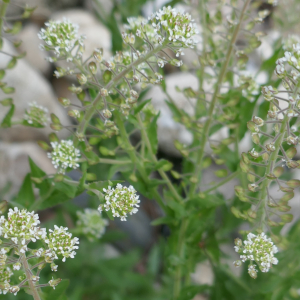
x=11 y=63
x=67 y=189
x=141 y=106
x=164 y=165
x=7 y=119
x=207 y=201
x=152 y=133
x=38 y=173
x=26 y=196
x=58 y=292
x=162 y=220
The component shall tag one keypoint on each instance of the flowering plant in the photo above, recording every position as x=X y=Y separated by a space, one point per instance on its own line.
x=112 y=154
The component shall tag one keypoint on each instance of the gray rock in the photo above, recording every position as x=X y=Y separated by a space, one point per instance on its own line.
x=97 y=35
x=30 y=44
x=14 y=164
x=30 y=86
x=168 y=129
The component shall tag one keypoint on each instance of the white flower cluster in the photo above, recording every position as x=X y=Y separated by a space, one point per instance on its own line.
x=60 y=37
x=64 y=155
x=178 y=27
x=121 y=201
x=91 y=223
x=61 y=243
x=21 y=228
x=37 y=115
x=257 y=248
x=291 y=57
x=291 y=40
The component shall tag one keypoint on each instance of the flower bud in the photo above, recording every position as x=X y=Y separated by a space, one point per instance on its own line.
x=93 y=67
x=255 y=138
x=56 y=127
x=81 y=79
x=75 y=89
x=258 y=121
x=98 y=55
x=237 y=263
x=104 y=92
x=134 y=94
x=292 y=140
x=254 y=153
x=64 y=101
x=107 y=114
x=54 y=282
x=270 y=147
x=292 y=164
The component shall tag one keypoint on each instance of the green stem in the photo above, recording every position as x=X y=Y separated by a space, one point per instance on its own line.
x=213 y=102
x=131 y=152
x=28 y=273
x=154 y=159
x=180 y=247
x=269 y=169
x=113 y=161
x=222 y=182
x=3 y=8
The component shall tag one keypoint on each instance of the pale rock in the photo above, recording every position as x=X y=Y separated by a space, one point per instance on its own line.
x=29 y=86
x=97 y=35
x=30 y=44
x=203 y=274
x=169 y=130
x=14 y=164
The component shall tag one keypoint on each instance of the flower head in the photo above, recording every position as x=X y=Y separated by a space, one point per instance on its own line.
x=37 y=115
x=64 y=155
x=259 y=249
x=91 y=223
x=60 y=241
x=176 y=26
x=21 y=226
x=60 y=36
x=121 y=201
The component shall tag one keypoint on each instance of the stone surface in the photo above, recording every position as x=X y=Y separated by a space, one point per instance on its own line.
x=97 y=35
x=30 y=44
x=30 y=86
x=14 y=164
x=168 y=129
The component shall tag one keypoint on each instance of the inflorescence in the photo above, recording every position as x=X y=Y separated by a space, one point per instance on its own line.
x=37 y=115
x=259 y=249
x=64 y=155
x=18 y=230
x=91 y=223
x=121 y=201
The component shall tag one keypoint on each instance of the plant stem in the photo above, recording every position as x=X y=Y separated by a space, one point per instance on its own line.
x=3 y=8
x=213 y=102
x=32 y=286
x=180 y=247
x=222 y=182
x=154 y=159
x=271 y=162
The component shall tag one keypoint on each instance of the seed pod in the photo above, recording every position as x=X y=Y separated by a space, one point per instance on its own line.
x=287 y=218
x=293 y=183
x=287 y=197
x=245 y=158
x=278 y=171
x=292 y=164
x=255 y=138
x=55 y=119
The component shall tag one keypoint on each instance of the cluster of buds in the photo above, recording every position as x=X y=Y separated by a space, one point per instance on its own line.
x=18 y=230
x=60 y=37
x=64 y=155
x=37 y=115
x=121 y=201
x=257 y=249
x=91 y=223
